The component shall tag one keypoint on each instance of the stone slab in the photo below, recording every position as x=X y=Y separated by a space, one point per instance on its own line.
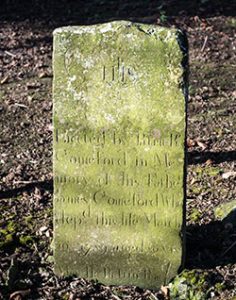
x=119 y=94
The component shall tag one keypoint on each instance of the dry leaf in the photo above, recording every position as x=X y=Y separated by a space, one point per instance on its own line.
x=191 y=143
x=165 y=291
x=228 y=175
x=19 y=295
x=202 y=145
x=209 y=162
x=234 y=94
x=43 y=228
x=42 y=75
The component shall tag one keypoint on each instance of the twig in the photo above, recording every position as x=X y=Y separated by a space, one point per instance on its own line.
x=24 y=182
x=204 y=44
x=227 y=250
x=20 y=105
x=10 y=54
x=4 y=79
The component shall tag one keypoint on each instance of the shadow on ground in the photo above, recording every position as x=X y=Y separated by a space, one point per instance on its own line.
x=93 y=11
x=211 y=245
x=197 y=157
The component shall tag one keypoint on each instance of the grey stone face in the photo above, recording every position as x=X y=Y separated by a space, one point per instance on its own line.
x=119 y=152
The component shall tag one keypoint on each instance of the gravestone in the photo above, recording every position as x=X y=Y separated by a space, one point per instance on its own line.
x=119 y=152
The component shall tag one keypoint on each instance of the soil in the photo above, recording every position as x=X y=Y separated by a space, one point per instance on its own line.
x=26 y=262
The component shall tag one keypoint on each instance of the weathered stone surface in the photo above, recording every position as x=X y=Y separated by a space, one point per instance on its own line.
x=119 y=151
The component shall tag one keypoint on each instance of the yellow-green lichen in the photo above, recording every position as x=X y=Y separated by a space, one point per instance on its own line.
x=119 y=94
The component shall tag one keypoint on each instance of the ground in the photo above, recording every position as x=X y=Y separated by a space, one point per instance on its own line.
x=26 y=263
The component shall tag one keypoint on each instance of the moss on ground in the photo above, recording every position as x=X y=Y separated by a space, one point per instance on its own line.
x=193 y=285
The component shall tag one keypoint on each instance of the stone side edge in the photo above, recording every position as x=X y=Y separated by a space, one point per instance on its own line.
x=183 y=44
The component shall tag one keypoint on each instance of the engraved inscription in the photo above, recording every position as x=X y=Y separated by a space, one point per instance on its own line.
x=118 y=72
x=140 y=139
x=119 y=137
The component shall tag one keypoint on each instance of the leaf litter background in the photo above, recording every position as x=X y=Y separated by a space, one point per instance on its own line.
x=26 y=263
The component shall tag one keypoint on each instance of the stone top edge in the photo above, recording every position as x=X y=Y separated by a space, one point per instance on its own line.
x=110 y=26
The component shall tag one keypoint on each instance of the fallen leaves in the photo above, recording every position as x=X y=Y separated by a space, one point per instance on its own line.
x=26 y=154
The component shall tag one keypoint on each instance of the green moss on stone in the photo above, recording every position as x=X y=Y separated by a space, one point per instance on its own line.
x=119 y=94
